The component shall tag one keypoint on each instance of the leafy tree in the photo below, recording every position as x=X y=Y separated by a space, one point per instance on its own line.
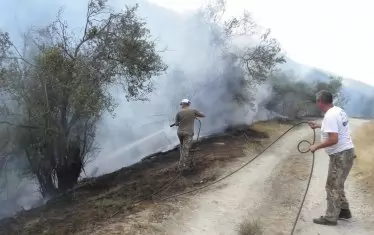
x=260 y=57
x=238 y=67
x=243 y=67
x=295 y=98
x=62 y=83
x=335 y=86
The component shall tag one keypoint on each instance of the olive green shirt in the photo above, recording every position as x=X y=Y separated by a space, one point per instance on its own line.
x=185 y=119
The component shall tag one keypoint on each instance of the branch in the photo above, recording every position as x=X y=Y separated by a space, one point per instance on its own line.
x=64 y=38
x=26 y=126
x=85 y=37
x=22 y=126
x=20 y=55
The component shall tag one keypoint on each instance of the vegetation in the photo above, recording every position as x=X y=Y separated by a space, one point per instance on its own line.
x=238 y=67
x=294 y=97
x=61 y=82
x=251 y=64
x=250 y=227
x=57 y=87
x=363 y=170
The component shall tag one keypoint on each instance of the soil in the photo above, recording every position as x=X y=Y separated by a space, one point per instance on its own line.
x=315 y=203
x=110 y=197
x=269 y=190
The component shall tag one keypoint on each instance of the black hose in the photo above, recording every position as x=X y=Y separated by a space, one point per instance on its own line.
x=258 y=155
x=309 y=179
x=247 y=163
x=198 y=133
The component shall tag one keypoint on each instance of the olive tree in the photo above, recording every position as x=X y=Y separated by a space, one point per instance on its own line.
x=61 y=81
x=295 y=98
x=249 y=55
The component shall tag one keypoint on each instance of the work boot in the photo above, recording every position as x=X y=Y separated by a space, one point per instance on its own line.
x=345 y=214
x=324 y=221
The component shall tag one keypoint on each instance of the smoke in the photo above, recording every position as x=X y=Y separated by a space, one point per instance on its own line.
x=197 y=70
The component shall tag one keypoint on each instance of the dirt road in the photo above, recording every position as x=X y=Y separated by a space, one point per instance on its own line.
x=270 y=189
x=363 y=217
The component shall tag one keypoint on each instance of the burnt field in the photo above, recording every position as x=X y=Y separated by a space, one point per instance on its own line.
x=98 y=200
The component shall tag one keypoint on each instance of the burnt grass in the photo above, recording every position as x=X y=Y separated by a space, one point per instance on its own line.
x=96 y=200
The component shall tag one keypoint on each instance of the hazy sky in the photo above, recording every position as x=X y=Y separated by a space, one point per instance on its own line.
x=335 y=35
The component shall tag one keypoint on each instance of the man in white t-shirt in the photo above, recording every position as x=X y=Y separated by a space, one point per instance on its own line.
x=337 y=142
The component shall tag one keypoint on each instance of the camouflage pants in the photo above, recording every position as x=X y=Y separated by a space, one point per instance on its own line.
x=339 y=168
x=185 y=161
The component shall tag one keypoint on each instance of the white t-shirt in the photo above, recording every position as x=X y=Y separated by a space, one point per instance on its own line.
x=336 y=121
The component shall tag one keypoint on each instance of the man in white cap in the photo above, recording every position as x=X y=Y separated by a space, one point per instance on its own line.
x=185 y=119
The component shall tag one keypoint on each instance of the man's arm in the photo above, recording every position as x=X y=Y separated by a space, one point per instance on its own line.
x=199 y=114
x=177 y=119
x=332 y=129
x=176 y=123
x=330 y=141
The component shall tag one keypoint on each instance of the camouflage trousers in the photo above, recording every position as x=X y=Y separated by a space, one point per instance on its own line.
x=339 y=168
x=185 y=161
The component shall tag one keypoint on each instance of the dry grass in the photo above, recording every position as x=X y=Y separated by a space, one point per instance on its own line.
x=363 y=170
x=270 y=127
x=250 y=227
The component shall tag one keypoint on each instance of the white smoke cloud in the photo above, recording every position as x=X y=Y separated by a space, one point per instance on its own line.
x=196 y=71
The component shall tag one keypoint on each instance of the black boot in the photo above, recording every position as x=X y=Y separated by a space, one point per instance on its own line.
x=345 y=214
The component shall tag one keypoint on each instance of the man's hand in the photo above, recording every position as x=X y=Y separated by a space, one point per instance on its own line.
x=313 y=148
x=314 y=125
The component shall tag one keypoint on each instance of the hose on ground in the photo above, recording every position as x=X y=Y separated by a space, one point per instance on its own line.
x=244 y=165
x=258 y=155
x=248 y=162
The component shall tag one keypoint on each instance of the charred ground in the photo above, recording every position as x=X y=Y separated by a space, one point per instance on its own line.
x=97 y=200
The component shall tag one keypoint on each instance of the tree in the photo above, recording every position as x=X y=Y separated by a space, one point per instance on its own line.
x=335 y=86
x=259 y=57
x=241 y=56
x=62 y=85
x=245 y=65
x=295 y=98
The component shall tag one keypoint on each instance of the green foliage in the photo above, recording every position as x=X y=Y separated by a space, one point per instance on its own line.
x=62 y=85
x=246 y=66
x=294 y=97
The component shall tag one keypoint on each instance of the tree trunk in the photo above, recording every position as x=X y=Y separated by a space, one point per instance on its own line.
x=47 y=187
x=69 y=172
x=43 y=172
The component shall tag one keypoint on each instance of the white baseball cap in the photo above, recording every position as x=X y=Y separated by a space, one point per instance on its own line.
x=185 y=101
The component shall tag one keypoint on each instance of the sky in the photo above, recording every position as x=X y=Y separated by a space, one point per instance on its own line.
x=334 y=35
